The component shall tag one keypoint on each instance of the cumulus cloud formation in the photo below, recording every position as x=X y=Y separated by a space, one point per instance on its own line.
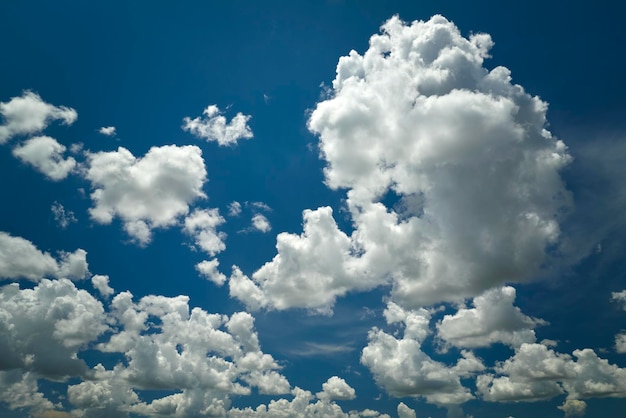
x=234 y=208
x=147 y=192
x=20 y=259
x=20 y=391
x=46 y=155
x=536 y=372
x=336 y=389
x=201 y=224
x=493 y=319
x=208 y=269
x=107 y=130
x=213 y=126
x=573 y=408
x=101 y=284
x=261 y=223
x=402 y=368
x=29 y=114
x=619 y=297
x=464 y=152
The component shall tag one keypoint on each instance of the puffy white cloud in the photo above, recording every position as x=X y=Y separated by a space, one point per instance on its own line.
x=493 y=319
x=405 y=412
x=336 y=389
x=260 y=223
x=573 y=407
x=107 y=130
x=202 y=224
x=208 y=268
x=28 y=114
x=62 y=217
x=536 y=372
x=101 y=284
x=619 y=297
x=403 y=369
x=213 y=126
x=148 y=192
x=19 y=258
x=479 y=201
x=20 y=391
x=620 y=343
x=41 y=329
x=46 y=155
x=310 y=270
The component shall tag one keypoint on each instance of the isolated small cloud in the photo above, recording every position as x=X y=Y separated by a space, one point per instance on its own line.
x=107 y=130
x=260 y=223
x=29 y=114
x=46 y=155
x=619 y=297
x=336 y=389
x=620 y=343
x=201 y=224
x=213 y=126
x=101 y=284
x=573 y=407
x=62 y=217
x=234 y=208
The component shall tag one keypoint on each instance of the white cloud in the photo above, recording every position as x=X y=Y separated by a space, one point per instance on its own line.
x=403 y=369
x=62 y=217
x=213 y=126
x=493 y=319
x=29 y=114
x=405 y=412
x=620 y=343
x=20 y=391
x=536 y=372
x=260 y=223
x=19 y=258
x=148 y=192
x=101 y=284
x=573 y=407
x=619 y=297
x=41 y=329
x=46 y=155
x=201 y=225
x=234 y=208
x=208 y=268
x=107 y=130
x=336 y=389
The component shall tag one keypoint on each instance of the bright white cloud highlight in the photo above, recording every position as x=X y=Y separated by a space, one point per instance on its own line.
x=493 y=319
x=208 y=269
x=213 y=126
x=101 y=284
x=201 y=224
x=573 y=408
x=336 y=389
x=20 y=259
x=148 y=192
x=29 y=114
x=261 y=223
x=107 y=130
x=46 y=155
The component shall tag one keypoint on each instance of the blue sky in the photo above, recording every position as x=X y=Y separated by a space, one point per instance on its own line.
x=350 y=208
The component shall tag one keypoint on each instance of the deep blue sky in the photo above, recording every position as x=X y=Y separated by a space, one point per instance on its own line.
x=144 y=66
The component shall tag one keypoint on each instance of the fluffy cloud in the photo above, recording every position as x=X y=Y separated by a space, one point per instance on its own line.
x=620 y=343
x=463 y=151
x=19 y=258
x=213 y=126
x=405 y=412
x=619 y=297
x=536 y=372
x=201 y=225
x=46 y=155
x=107 y=130
x=573 y=408
x=208 y=268
x=403 y=369
x=336 y=389
x=101 y=284
x=148 y=192
x=29 y=114
x=42 y=328
x=234 y=208
x=260 y=223
x=493 y=319
x=20 y=391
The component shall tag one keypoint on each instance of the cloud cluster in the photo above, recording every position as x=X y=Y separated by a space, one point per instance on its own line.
x=107 y=130
x=464 y=153
x=213 y=126
x=29 y=114
x=20 y=259
x=147 y=192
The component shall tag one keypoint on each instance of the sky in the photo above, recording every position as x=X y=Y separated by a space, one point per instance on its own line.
x=338 y=208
